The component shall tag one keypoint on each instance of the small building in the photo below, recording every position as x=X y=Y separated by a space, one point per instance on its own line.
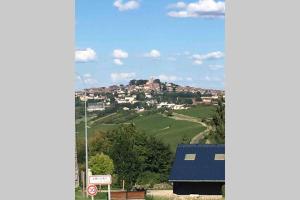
x=198 y=169
x=207 y=100
x=99 y=106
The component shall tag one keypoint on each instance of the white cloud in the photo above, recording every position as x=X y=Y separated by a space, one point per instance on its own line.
x=169 y=78
x=199 y=58
x=198 y=62
x=189 y=79
x=153 y=54
x=201 y=9
x=211 y=55
x=87 y=79
x=129 y=5
x=123 y=76
x=119 y=53
x=85 y=55
x=87 y=75
x=179 y=4
x=118 y=62
x=212 y=79
x=215 y=67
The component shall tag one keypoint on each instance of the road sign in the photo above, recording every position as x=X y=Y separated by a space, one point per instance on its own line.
x=100 y=179
x=92 y=190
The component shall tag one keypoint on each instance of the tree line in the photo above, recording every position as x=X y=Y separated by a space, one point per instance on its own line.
x=135 y=157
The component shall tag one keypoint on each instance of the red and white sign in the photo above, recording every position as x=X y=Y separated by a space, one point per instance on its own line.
x=100 y=179
x=92 y=190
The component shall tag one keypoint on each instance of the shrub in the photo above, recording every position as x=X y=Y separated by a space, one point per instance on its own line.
x=148 y=179
x=101 y=164
x=223 y=190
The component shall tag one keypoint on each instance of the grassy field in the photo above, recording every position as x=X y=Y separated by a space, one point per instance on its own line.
x=168 y=130
x=199 y=111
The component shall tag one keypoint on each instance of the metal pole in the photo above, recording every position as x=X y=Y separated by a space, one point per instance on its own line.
x=86 y=145
x=109 y=192
x=83 y=182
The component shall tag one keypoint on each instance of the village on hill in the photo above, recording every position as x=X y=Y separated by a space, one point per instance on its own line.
x=141 y=94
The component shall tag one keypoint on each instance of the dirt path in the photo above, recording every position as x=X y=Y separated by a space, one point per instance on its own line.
x=199 y=136
x=92 y=122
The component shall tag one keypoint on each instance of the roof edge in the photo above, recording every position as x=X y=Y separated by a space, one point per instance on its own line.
x=196 y=180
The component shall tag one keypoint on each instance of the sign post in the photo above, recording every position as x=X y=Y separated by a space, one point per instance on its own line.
x=92 y=190
x=109 y=192
x=101 y=180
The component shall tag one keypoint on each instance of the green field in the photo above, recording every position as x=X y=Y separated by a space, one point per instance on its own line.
x=199 y=111
x=169 y=131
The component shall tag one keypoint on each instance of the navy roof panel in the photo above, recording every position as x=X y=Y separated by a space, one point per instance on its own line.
x=203 y=168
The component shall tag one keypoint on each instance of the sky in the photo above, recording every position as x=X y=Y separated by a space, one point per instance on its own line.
x=176 y=41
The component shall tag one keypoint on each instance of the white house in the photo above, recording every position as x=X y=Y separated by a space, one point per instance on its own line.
x=99 y=106
x=179 y=107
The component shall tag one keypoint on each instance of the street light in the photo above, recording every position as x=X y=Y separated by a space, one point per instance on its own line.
x=85 y=130
x=86 y=145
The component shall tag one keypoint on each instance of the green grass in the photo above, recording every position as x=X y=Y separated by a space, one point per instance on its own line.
x=100 y=196
x=169 y=131
x=199 y=111
x=149 y=197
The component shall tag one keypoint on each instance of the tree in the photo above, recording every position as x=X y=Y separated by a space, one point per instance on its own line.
x=218 y=123
x=158 y=159
x=123 y=154
x=185 y=139
x=101 y=164
x=80 y=145
x=134 y=152
x=156 y=81
x=141 y=96
x=132 y=82
x=98 y=143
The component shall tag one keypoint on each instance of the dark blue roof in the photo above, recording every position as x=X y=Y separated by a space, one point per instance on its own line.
x=203 y=168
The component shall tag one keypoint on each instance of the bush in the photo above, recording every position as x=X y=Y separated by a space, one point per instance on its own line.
x=101 y=164
x=147 y=179
x=223 y=190
x=163 y=186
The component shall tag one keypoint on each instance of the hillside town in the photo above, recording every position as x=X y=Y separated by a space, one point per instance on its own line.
x=139 y=95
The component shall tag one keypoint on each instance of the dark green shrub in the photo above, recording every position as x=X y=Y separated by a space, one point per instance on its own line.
x=223 y=190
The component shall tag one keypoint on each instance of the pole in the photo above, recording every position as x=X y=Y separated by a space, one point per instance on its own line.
x=86 y=146
x=109 y=192
x=83 y=182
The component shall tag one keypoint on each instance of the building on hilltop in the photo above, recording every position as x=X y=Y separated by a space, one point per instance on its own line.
x=198 y=169
x=151 y=85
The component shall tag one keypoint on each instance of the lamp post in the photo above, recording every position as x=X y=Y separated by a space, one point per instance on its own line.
x=86 y=144
x=86 y=139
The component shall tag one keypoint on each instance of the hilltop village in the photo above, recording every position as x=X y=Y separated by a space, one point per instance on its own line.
x=141 y=95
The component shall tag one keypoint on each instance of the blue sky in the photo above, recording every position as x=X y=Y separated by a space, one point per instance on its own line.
x=180 y=42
